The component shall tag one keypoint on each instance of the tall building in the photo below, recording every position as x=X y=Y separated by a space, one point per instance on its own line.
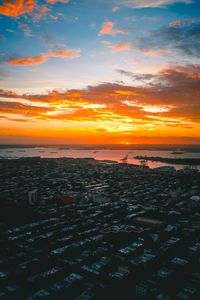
x=32 y=197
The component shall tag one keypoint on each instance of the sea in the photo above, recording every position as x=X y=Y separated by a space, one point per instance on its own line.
x=102 y=154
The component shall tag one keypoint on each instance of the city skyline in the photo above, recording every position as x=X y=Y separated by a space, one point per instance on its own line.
x=94 y=72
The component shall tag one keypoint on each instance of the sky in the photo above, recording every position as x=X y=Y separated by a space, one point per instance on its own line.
x=100 y=71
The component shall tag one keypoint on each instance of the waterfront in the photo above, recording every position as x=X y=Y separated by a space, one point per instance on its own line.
x=102 y=154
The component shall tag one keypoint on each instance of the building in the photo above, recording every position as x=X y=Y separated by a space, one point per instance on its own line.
x=33 y=197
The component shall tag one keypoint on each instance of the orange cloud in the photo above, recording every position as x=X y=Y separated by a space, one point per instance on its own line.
x=17 y=8
x=122 y=46
x=35 y=60
x=27 y=61
x=108 y=29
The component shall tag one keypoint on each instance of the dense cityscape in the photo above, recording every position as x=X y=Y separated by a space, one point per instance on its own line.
x=85 y=229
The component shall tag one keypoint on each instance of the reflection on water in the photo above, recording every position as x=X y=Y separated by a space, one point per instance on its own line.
x=116 y=155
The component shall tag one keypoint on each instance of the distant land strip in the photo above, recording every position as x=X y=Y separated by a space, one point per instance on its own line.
x=130 y=147
x=176 y=161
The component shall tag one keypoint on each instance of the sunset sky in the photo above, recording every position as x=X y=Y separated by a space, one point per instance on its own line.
x=100 y=71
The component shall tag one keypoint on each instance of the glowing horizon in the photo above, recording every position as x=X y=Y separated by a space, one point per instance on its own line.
x=100 y=72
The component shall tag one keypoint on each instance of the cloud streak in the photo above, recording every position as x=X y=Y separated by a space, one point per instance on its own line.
x=35 y=60
x=150 y=3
